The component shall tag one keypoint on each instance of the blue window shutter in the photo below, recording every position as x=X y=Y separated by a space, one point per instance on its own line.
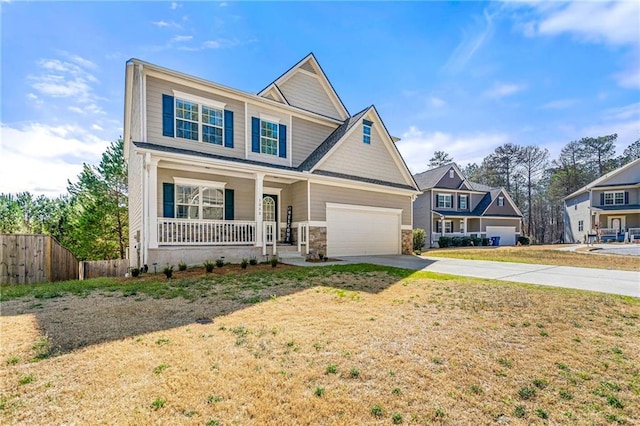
x=255 y=134
x=602 y=199
x=167 y=115
x=168 y=196
x=228 y=128
x=228 y=204
x=626 y=197
x=459 y=197
x=282 y=143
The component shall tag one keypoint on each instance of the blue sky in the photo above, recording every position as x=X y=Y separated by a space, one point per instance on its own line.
x=460 y=77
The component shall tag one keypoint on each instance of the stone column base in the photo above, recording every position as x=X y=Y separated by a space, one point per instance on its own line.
x=407 y=241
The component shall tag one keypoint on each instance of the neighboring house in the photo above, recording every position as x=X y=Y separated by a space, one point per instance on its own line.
x=214 y=171
x=608 y=207
x=452 y=206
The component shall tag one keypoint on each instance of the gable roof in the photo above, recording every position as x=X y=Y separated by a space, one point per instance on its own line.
x=277 y=93
x=603 y=178
x=429 y=179
x=306 y=63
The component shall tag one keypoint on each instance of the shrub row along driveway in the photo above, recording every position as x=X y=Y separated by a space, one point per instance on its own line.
x=626 y=283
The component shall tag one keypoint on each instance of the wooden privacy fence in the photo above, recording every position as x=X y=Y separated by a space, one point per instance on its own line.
x=29 y=259
x=103 y=268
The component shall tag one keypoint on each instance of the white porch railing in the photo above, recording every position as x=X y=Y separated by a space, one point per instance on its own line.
x=634 y=231
x=205 y=232
x=609 y=232
x=269 y=237
x=303 y=237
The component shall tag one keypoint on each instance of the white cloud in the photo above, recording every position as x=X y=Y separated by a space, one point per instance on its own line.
x=175 y=5
x=436 y=102
x=417 y=147
x=40 y=158
x=223 y=4
x=560 y=104
x=96 y=127
x=163 y=24
x=181 y=38
x=472 y=41
x=629 y=78
x=501 y=90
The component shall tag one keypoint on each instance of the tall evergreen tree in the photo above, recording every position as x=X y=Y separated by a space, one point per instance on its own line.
x=440 y=158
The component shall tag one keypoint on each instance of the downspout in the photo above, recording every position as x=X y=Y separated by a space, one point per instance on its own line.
x=145 y=209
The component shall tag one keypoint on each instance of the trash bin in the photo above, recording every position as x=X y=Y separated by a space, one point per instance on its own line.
x=495 y=241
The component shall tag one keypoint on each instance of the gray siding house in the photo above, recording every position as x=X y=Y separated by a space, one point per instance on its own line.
x=450 y=205
x=215 y=171
x=608 y=207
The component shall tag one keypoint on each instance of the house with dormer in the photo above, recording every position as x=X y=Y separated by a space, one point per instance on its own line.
x=218 y=172
x=452 y=206
x=607 y=208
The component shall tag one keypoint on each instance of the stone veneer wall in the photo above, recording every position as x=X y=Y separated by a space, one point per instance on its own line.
x=407 y=241
x=317 y=240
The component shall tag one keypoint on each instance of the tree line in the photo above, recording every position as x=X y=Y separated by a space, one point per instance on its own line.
x=538 y=183
x=91 y=219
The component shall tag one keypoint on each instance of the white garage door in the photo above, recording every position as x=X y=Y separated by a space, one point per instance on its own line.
x=359 y=230
x=507 y=234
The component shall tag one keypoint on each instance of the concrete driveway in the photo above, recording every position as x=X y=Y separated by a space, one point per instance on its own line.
x=625 y=283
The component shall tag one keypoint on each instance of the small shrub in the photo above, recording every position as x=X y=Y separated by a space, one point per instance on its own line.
x=377 y=411
x=274 y=261
x=456 y=242
x=444 y=242
x=220 y=262
x=182 y=266
x=244 y=263
x=332 y=369
x=614 y=402
x=42 y=348
x=354 y=373
x=319 y=391
x=526 y=393
x=208 y=266
x=24 y=380
x=13 y=360
x=321 y=255
x=540 y=383
x=396 y=391
x=541 y=413
x=168 y=271
x=565 y=394
x=520 y=412
x=253 y=261
x=396 y=418
x=135 y=272
x=476 y=241
x=485 y=241
x=525 y=241
x=158 y=403
x=419 y=237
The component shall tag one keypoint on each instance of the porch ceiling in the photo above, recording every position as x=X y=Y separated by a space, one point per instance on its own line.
x=224 y=171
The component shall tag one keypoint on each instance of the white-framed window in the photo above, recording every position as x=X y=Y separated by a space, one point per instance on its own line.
x=451 y=174
x=448 y=226
x=199 y=202
x=444 y=201
x=463 y=202
x=580 y=225
x=500 y=201
x=366 y=132
x=199 y=119
x=613 y=198
x=268 y=137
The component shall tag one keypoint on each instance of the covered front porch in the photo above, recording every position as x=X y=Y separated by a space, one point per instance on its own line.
x=456 y=225
x=616 y=225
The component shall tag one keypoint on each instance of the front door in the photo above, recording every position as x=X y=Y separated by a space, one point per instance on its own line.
x=270 y=212
x=616 y=223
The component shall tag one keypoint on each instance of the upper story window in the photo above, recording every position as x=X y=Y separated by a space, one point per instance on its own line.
x=199 y=202
x=268 y=138
x=463 y=202
x=613 y=198
x=444 y=201
x=366 y=131
x=500 y=201
x=197 y=119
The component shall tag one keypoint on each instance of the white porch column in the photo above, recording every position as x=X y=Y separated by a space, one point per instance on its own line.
x=464 y=224
x=258 y=207
x=442 y=225
x=153 y=203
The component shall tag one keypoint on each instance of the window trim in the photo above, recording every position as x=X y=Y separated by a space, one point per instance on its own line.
x=366 y=137
x=276 y=139
x=439 y=225
x=500 y=201
x=201 y=184
x=613 y=195
x=451 y=174
x=201 y=103
x=449 y=196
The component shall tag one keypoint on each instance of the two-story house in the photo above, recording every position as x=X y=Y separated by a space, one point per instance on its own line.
x=450 y=205
x=608 y=207
x=215 y=171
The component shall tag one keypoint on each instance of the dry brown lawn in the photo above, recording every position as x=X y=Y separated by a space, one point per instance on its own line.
x=338 y=347
x=544 y=255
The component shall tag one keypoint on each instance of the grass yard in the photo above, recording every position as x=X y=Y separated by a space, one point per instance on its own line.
x=349 y=344
x=544 y=255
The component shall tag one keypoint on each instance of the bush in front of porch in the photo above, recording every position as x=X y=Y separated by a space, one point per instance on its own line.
x=444 y=242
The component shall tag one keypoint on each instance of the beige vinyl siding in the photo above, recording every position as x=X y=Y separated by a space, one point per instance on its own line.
x=306 y=138
x=631 y=175
x=323 y=194
x=305 y=91
x=308 y=67
x=494 y=209
x=354 y=157
x=156 y=88
x=299 y=201
x=135 y=203
x=244 y=190
x=450 y=183
x=256 y=111
x=422 y=212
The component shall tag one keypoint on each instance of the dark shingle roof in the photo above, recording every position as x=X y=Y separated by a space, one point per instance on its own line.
x=620 y=207
x=330 y=141
x=480 y=186
x=430 y=178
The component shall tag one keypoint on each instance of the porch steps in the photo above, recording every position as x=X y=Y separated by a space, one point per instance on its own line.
x=289 y=252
